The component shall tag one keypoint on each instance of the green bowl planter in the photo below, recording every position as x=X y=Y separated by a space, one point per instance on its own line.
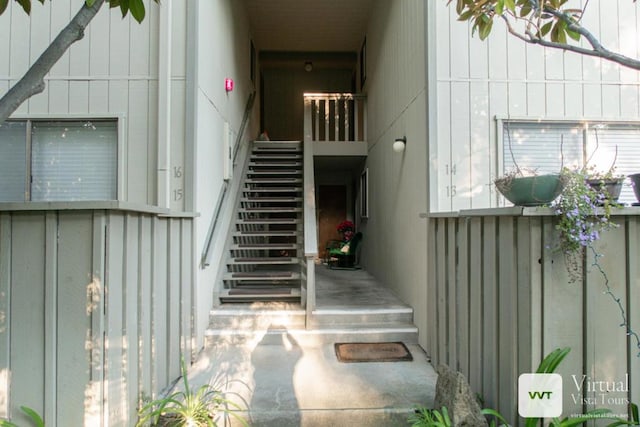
x=612 y=187
x=530 y=190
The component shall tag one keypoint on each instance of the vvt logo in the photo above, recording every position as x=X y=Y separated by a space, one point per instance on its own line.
x=540 y=395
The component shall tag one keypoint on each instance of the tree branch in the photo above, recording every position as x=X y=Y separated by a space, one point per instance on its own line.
x=597 y=49
x=32 y=82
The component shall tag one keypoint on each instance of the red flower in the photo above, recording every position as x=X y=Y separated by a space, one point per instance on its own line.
x=345 y=226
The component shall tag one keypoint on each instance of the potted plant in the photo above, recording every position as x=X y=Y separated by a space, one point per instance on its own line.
x=583 y=213
x=529 y=188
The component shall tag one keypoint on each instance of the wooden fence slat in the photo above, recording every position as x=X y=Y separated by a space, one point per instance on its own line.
x=452 y=294
x=475 y=305
x=490 y=309
x=463 y=324
x=434 y=260
x=5 y=308
x=441 y=297
x=509 y=250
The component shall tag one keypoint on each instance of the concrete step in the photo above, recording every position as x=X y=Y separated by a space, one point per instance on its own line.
x=386 y=332
x=261 y=318
x=328 y=317
x=373 y=417
x=261 y=293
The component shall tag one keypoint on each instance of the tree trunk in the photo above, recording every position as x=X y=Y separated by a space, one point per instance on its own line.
x=32 y=82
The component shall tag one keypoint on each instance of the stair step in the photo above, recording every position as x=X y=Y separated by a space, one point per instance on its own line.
x=273 y=190
x=225 y=317
x=273 y=221
x=257 y=294
x=274 y=173
x=262 y=276
x=269 y=163
x=271 y=209
x=271 y=246
x=273 y=181
x=266 y=156
x=353 y=316
x=275 y=233
x=264 y=261
x=406 y=333
x=275 y=145
x=268 y=199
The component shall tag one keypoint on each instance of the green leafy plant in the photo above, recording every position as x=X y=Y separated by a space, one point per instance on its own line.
x=36 y=419
x=549 y=365
x=192 y=408
x=583 y=212
x=424 y=417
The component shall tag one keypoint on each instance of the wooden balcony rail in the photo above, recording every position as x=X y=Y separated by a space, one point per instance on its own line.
x=334 y=117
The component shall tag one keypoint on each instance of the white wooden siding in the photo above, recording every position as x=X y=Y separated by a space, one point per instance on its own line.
x=475 y=81
x=109 y=296
x=112 y=71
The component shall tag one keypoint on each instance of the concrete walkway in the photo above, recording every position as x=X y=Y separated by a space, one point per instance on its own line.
x=286 y=381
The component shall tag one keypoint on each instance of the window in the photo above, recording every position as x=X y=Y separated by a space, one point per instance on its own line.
x=548 y=146
x=364 y=194
x=58 y=160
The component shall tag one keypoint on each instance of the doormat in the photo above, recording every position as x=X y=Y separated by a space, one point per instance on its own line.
x=372 y=352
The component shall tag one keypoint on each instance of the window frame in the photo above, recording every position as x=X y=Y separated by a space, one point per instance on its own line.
x=120 y=121
x=586 y=124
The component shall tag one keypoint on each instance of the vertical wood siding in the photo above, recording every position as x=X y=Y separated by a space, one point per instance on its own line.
x=95 y=312
x=476 y=81
x=501 y=300
x=112 y=71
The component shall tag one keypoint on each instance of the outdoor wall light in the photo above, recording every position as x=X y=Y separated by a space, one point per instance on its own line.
x=399 y=144
x=308 y=66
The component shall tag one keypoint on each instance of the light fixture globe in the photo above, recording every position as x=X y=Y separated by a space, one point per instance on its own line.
x=399 y=144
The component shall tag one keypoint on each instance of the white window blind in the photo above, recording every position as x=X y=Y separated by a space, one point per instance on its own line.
x=13 y=161
x=74 y=161
x=537 y=146
x=542 y=147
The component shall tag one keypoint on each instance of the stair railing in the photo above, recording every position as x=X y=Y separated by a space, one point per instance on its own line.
x=205 y=259
x=308 y=282
x=335 y=117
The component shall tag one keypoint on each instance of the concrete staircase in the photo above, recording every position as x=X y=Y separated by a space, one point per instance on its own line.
x=263 y=261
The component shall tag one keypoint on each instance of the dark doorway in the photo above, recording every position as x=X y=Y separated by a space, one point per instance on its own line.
x=332 y=210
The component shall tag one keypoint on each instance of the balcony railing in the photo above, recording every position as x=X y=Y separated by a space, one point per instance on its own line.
x=334 y=117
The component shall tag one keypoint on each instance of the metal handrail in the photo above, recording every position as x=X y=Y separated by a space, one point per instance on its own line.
x=205 y=259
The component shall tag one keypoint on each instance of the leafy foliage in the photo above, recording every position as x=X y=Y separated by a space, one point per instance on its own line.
x=551 y=23
x=424 y=417
x=136 y=7
x=36 y=419
x=193 y=408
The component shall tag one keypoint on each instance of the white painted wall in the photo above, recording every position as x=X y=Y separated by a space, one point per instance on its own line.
x=394 y=248
x=474 y=81
x=223 y=51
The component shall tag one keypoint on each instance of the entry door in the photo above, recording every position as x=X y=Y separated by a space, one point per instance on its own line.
x=332 y=210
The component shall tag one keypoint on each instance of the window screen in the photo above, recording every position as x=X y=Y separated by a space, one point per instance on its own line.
x=69 y=160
